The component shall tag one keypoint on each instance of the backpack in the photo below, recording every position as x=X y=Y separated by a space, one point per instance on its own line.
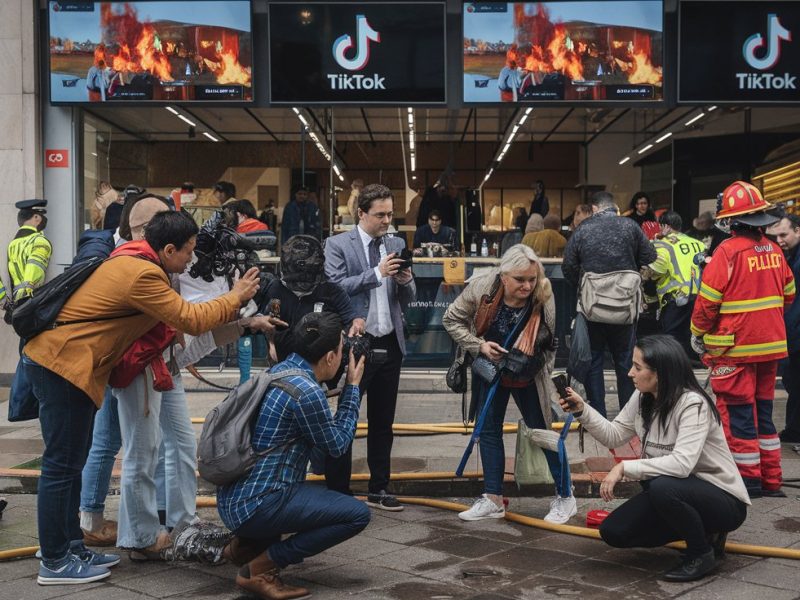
x=612 y=298
x=225 y=451
x=35 y=314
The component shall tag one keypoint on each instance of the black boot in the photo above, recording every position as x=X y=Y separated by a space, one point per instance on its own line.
x=692 y=569
x=717 y=541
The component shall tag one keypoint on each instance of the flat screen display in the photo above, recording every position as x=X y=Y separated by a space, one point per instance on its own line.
x=573 y=51
x=756 y=61
x=367 y=52
x=154 y=51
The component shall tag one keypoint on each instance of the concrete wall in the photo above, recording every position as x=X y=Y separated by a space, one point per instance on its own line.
x=20 y=146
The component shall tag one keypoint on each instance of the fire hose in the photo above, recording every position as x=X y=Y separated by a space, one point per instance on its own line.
x=732 y=547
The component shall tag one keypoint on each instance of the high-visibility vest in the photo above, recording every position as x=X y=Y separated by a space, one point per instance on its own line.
x=28 y=256
x=675 y=272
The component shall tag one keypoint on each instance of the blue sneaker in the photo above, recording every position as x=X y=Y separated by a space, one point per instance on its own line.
x=96 y=559
x=75 y=571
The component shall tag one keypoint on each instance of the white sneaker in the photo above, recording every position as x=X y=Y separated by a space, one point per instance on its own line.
x=561 y=509
x=484 y=508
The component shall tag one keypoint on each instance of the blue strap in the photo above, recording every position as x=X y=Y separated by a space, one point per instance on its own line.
x=476 y=432
x=562 y=451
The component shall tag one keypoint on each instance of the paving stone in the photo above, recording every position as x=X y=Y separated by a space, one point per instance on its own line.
x=600 y=574
x=572 y=544
x=416 y=560
x=104 y=592
x=406 y=533
x=27 y=589
x=169 y=582
x=467 y=546
x=361 y=547
x=24 y=568
x=729 y=589
x=771 y=574
x=544 y=587
x=354 y=578
x=425 y=589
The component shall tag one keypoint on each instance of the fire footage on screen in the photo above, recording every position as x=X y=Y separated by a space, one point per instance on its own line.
x=575 y=51
x=169 y=51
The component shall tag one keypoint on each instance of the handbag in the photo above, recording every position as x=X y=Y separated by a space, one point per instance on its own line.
x=485 y=369
x=456 y=378
x=530 y=464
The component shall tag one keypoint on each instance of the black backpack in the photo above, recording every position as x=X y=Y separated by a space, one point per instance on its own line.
x=31 y=316
x=225 y=451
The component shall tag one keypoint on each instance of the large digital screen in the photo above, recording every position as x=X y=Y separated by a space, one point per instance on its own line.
x=756 y=61
x=574 y=51
x=162 y=51
x=357 y=53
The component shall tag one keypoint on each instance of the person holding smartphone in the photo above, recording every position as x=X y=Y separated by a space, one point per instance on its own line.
x=691 y=488
x=505 y=319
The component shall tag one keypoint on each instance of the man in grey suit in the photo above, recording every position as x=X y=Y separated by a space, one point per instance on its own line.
x=365 y=262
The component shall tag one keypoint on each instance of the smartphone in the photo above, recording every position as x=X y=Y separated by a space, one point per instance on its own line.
x=560 y=381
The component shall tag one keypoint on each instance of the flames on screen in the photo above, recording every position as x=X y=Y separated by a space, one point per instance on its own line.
x=132 y=46
x=554 y=49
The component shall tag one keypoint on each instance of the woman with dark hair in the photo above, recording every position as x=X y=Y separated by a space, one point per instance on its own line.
x=641 y=211
x=692 y=489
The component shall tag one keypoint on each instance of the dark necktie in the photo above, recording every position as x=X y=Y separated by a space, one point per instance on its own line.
x=374 y=252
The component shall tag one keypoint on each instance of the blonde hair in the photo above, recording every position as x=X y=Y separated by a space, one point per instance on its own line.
x=535 y=223
x=518 y=258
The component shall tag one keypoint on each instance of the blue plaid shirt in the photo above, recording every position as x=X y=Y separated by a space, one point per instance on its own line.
x=297 y=424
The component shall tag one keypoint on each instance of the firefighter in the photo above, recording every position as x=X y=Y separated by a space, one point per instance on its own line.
x=737 y=325
x=29 y=252
x=677 y=278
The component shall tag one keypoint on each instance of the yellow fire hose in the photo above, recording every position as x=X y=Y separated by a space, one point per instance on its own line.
x=732 y=547
x=422 y=428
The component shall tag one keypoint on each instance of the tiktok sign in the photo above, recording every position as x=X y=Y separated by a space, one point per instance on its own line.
x=756 y=59
x=357 y=53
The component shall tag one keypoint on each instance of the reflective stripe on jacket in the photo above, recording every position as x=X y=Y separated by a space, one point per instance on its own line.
x=675 y=271
x=739 y=310
x=28 y=256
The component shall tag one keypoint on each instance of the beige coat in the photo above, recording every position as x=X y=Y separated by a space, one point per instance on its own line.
x=459 y=321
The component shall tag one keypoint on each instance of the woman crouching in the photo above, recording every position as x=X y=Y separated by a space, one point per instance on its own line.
x=692 y=489
x=506 y=317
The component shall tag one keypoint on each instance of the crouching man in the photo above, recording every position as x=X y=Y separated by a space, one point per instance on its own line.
x=273 y=498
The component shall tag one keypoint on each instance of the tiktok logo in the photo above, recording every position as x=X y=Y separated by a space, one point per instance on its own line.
x=775 y=33
x=364 y=34
x=770 y=53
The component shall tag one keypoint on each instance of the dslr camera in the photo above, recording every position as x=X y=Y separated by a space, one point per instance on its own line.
x=362 y=346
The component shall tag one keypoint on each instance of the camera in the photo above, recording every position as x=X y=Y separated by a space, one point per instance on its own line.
x=407 y=257
x=362 y=346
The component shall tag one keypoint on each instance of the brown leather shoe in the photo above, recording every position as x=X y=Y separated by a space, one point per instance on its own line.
x=105 y=536
x=260 y=577
x=241 y=551
x=154 y=551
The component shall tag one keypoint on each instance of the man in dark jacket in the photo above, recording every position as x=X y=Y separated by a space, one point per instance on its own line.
x=787 y=232
x=604 y=243
x=300 y=216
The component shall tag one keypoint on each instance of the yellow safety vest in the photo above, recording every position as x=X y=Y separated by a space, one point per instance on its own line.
x=28 y=256
x=676 y=274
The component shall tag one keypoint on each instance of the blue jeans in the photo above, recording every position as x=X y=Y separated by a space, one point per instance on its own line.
x=106 y=442
x=318 y=517
x=179 y=457
x=620 y=340
x=66 y=415
x=244 y=356
x=493 y=452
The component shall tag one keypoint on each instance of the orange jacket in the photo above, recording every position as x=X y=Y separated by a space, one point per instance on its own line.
x=250 y=225
x=739 y=311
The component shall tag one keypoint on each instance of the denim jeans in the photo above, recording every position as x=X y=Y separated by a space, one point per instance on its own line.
x=318 y=517
x=66 y=414
x=620 y=341
x=244 y=356
x=141 y=438
x=179 y=455
x=106 y=442
x=493 y=452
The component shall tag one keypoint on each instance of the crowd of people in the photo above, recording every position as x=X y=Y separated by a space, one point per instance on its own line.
x=107 y=375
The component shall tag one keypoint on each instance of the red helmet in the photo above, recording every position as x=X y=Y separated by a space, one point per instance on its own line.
x=743 y=202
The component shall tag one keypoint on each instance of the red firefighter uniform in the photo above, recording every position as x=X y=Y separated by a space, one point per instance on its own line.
x=739 y=315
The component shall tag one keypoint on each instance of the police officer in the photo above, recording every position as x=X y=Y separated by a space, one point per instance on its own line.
x=29 y=252
x=677 y=278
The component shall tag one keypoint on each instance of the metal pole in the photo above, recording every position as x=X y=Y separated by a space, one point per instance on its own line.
x=302 y=155
x=331 y=175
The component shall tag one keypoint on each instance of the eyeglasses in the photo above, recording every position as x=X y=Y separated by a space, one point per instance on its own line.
x=382 y=215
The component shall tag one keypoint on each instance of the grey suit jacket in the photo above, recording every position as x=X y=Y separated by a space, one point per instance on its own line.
x=346 y=264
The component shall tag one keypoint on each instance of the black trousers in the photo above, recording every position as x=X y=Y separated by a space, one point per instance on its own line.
x=791 y=381
x=671 y=509
x=380 y=383
x=675 y=321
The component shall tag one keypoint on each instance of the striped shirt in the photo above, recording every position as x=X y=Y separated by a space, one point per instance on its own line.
x=294 y=427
